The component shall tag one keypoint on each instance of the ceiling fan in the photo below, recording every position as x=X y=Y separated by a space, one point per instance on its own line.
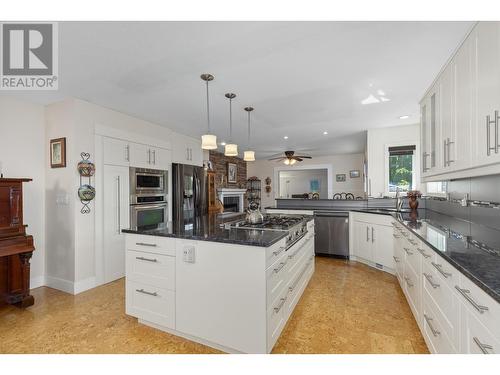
x=289 y=158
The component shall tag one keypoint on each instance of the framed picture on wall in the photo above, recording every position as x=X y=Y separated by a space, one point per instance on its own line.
x=340 y=177
x=58 y=153
x=354 y=174
x=231 y=173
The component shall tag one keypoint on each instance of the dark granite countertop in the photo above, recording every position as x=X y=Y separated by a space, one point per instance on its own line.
x=456 y=242
x=208 y=228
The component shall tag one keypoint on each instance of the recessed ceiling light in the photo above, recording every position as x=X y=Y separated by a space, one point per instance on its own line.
x=285 y=137
x=370 y=99
x=325 y=133
x=404 y=117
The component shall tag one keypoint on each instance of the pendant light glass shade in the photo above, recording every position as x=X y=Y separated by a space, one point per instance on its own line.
x=208 y=141
x=231 y=149
x=249 y=156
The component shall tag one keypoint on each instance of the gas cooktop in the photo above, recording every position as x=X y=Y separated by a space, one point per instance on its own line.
x=278 y=222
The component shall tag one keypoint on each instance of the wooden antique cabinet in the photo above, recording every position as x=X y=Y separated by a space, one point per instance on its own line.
x=16 y=247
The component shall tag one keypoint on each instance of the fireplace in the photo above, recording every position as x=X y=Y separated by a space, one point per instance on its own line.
x=232 y=199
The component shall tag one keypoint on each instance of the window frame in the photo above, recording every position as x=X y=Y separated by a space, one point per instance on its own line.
x=414 y=166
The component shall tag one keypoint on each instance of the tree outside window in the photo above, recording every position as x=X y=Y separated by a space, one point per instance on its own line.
x=401 y=168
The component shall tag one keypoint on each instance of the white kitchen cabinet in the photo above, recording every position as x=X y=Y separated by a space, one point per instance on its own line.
x=447 y=112
x=116 y=152
x=487 y=37
x=115 y=218
x=431 y=123
x=186 y=150
x=161 y=158
x=371 y=240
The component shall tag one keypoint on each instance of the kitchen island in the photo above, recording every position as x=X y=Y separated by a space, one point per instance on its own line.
x=229 y=287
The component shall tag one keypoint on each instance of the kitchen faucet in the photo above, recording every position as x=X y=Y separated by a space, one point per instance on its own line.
x=399 y=200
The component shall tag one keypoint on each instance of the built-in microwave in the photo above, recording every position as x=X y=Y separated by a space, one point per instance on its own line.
x=144 y=180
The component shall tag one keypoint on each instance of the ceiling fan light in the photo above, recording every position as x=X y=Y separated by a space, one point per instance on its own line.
x=293 y=161
x=249 y=156
x=231 y=149
x=209 y=142
x=287 y=161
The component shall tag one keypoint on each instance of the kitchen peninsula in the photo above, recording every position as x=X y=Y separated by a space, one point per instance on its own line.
x=231 y=286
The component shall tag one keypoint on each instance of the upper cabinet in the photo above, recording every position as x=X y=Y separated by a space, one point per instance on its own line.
x=123 y=153
x=487 y=85
x=186 y=150
x=457 y=139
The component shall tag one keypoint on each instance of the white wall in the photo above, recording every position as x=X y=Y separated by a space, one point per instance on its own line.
x=22 y=154
x=340 y=164
x=378 y=142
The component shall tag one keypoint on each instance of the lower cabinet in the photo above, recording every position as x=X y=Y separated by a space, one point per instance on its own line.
x=454 y=314
x=371 y=240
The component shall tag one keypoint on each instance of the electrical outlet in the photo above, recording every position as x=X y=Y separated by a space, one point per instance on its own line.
x=188 y=254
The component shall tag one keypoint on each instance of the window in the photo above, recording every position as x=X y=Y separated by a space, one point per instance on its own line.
x=401 y=168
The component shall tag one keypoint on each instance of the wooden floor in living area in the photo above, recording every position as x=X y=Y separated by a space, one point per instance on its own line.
x=347 y=308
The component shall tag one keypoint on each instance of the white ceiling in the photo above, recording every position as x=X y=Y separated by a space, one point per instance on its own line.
x=303 y=78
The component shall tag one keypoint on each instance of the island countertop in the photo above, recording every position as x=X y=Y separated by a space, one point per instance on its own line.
x=210 y=228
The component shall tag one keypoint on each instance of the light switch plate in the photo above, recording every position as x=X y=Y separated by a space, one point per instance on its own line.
x=188 y=254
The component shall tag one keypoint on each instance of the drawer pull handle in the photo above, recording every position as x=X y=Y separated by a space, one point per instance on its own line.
x=408 y=281
x=422 y=251
x=407 y=251
x=154 y=294
x=396 y=259
x=145 y=244
x=484 y=347
x=277 y=252
x=278 y=308
x=434 y=331
x=440 y=270
x=280 y=267
x=429 y=279
x=411 y=241
x=396 y=236
x=147 y=259
x=465 y=293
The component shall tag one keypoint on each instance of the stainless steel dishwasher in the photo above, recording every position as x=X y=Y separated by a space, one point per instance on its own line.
x=331 y=233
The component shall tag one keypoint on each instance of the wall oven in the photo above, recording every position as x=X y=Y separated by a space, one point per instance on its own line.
x=148 y=198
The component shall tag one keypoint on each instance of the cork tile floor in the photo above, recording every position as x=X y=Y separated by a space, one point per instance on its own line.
x=347 y=308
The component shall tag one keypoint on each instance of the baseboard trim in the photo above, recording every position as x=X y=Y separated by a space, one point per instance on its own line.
x=59 y=284
x=83 y=285
x=37 y=282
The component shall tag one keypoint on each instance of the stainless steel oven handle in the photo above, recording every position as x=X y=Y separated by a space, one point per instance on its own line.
x=137 y=207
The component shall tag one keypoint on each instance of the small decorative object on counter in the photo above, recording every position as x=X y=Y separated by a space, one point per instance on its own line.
x=413 y=196
x=86 y=192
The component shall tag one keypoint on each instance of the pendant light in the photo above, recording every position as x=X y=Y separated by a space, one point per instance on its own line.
x=231 y=149
x=208 y=141
x=249 y=155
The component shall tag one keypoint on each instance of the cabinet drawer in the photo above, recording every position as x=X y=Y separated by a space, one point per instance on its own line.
x=445 y=301
x=274 y=252
x=156 y=305
x=412 y=289
x=152 y=269
x=276 y=318
x=477 y=338
x=276 y=278
x=412 y=257
x=445 y=271
x=433 y=330
x=476 y=300
x=151 y=244
x=298 y=283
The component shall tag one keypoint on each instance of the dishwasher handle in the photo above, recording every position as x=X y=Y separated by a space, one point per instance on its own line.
x=331 y=214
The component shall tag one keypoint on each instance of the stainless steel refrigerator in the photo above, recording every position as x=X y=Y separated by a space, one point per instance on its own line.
x=189 y=199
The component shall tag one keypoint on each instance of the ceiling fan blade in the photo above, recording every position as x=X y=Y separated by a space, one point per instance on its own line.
x=304 y=156
x=279 y=158
x=297 y=158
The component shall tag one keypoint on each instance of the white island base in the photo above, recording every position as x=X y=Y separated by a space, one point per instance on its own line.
x=235 y=298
